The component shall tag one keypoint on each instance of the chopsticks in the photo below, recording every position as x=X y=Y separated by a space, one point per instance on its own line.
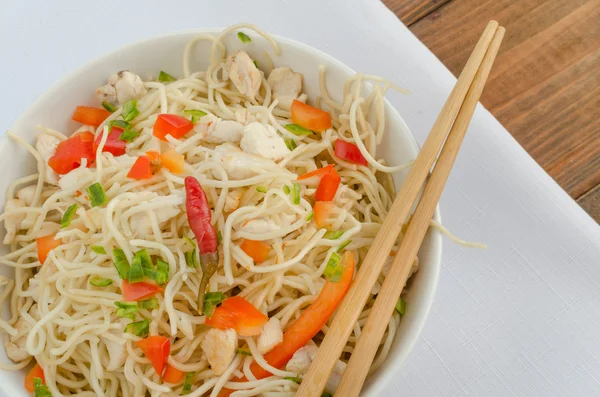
x=454 y=117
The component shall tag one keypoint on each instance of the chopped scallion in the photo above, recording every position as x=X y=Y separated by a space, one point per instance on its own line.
x=293 y=379
x=122 y=124
x=145 y=259
x=165 y=77
x=98 y=249
x=100 y=282
x=244 y=38
x=310 y=216
x=189 y=241
x=96 y=194
x=126 y=309
x=211 y=301
x=296 y=194
x=130 y=110
x=68 y=215
x=334 y=269
x=243 y=352
x=39 y=389
x=297 y=130
x=326 y=394
x=219 y=237
x=138 y=328
x=290 y=143
x=162 y=273
x=109 y=106
x=136 y=272
x=121 y=263
x=190 y=258
x=129 y=135
x=261 y=189
x=187 y=383
x=286 y=189
x=333 y=235
x=401 y=306
x=196 y=114
x=255 y=62
x=344 y=245
x=149 y=304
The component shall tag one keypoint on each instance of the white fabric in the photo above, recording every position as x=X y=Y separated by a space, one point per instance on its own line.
x=520 y=319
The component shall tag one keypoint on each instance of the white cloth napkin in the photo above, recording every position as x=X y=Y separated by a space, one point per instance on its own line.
x=520 y=319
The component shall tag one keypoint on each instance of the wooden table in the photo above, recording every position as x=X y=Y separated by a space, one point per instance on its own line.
x=545 y=85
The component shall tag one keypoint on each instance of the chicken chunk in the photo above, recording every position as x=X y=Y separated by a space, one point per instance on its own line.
x=12 y=222
x=79 y=178
x=243 y=73
x=215 y=130
x=46 y=146
x=285 y=85
x=233 y=199
x=141 y=223
x=219 y=346
x=264 y=141
x=240 y=165
x=260 y=226
x=302 y=359
x=271 y=336
x=15 y=345
x=122 y=87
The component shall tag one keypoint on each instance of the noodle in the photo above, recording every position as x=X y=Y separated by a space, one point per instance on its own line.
x=70 y=326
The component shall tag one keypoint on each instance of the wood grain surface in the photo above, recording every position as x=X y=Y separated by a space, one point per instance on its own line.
x=545 y=86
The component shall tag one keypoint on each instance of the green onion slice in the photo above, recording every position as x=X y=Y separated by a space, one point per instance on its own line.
x=122 y=124
x=145 y=259
x=126 y=309
x=211 y=301
x=310 y=216
x=286 y=189
x=130 y=110
x=255 y=62
x=401 y=306
x=326 y=394
x=136 y=272
x=190 y=258
x=244 y=38
x=297 y=130
x=261 y=189
x=219 y=237
x=334 y=269
x=290 y=143
x=187 y=383
x=39 y=389
x=100 y=281
x=149 y=304
x=296 y=194
x=98 y=249
x=333 y=235
x=293 y=379
x=162 y=273
x=138 y=328
x=68 y=215
x=96 y=194
x=189 y=241
x=344 y=245
x=243 y=352
x=109 y=106
x=165 y=77
x=195 y=114
x=129 y=135
x=121 y=263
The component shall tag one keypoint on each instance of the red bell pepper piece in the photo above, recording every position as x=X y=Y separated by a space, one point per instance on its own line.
x=89 y=115
x=310 y=117
x=239 y=314
x=171 y=124
x=133 y=292
x=156 y=349
x=349 y=152
x=113 y=144
x=35 y=372
x=141 y=169
x=328 y=186
x=69 y=153
x=45 y=245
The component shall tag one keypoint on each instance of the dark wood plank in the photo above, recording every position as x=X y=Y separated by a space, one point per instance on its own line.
x=591 y=203
x=544 y=85
x=411 y=11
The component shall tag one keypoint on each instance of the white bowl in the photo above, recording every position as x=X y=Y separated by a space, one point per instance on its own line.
x=53 y=109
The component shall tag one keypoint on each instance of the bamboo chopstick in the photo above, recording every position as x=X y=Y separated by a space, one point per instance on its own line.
x=315 y=379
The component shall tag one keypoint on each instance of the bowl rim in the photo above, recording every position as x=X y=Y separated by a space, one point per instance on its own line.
x=393 y=364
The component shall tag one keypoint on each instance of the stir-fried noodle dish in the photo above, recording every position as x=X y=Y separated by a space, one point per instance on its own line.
x=195 y=234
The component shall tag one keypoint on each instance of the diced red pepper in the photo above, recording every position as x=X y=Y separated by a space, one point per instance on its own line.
x=310 y=117
x=133 y=292
x=35 y=372
x=328 y=186
x=171 y=124
x=239 y=314
x=257 y=250
x=172 y=374
x=89 y=115
x=113 y=144
x=45 y=245
x=173 y=161
x=70 y=152
x=141 y=169
x=318 y=172
x=156 y=349
x=349 y=152
x=323 y=210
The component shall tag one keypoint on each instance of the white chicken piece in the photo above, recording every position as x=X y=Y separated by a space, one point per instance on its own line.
x=12 y=222
x=240 y=165
x=271 y=335
x=233 y=199
x=302 y=359
x=15 y=345
x=77 y=179
x=259 y=226
x=141 y=223
x=264 y=141
x=215 y=130
x=243 y=73
x=122 y=87
x=219 y=346
x=285 y=85
x=46 y=146
x=27 y=194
